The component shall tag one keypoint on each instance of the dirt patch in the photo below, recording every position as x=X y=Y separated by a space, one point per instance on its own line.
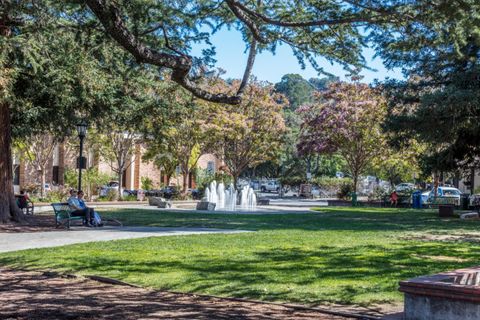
x=35 y=295
x=440 y=258
x=35 y=223
x=465 y=237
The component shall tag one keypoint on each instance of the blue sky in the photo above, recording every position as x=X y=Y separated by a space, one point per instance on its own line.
x=231 y=57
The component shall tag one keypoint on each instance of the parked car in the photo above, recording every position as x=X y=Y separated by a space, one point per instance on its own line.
x=270 y=186
x=169 y=192
x=405 y=186
x=443 y=192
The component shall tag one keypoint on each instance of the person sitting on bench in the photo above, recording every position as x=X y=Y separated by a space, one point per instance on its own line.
x=81 y=201
x=24 y=202
x=80 y=210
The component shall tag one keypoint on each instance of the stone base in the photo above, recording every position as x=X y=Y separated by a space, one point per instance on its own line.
x=164 y=204
x=204 y=205
x=451 y=295
x=469 y=215
x=263 y=202
x=155 y=201
x=419 y=307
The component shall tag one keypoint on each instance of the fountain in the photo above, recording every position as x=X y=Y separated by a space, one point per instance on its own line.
x=227 y=199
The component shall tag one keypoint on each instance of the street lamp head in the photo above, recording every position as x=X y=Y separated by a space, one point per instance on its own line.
x=82 y=128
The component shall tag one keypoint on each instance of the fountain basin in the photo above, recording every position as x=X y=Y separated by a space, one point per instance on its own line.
x=451 y=295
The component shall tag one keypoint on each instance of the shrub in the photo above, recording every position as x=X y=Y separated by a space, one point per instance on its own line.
x=292 y=181
x=345 y=191
x=92 y=179
x=130 y=197
x=378 y=193
x=112 y=195
x=331 y=186
x=204 y=178
x=147 y=183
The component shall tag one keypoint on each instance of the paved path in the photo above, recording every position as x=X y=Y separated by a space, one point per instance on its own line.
x=21 y=241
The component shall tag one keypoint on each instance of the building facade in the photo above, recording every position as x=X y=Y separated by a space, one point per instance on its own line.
x=25 y=176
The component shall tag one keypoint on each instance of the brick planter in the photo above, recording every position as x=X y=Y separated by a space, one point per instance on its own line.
x=445 y=296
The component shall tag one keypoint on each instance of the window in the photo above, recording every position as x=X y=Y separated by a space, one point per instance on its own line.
x=451 y=192
x=55 y=175
x=16 y=175
x=211 y=167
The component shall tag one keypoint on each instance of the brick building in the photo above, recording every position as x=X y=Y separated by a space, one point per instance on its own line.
x=62 y=158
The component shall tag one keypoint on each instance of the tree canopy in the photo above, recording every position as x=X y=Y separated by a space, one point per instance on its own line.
x=439 y=103
x=345 y=120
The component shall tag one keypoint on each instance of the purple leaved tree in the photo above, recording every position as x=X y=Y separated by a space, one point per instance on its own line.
x=345 y=119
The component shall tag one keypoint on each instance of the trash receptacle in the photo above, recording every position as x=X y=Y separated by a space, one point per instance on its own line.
x=445 y=210
x=417 y=199
x=354 y=199
x=465 y=201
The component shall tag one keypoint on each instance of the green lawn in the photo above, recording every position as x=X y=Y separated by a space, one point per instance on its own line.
x=340 y=255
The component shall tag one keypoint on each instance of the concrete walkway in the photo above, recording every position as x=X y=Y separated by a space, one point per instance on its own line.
x=22 y=241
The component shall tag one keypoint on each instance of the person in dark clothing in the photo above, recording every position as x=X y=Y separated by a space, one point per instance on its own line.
x=81 y=201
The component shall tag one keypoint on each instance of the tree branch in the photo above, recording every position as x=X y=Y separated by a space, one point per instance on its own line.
x=111 y=19
x=248 y=69
x=312 y=23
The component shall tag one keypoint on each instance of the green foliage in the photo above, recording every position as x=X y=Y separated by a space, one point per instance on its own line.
x=92 y=179
x=147 y=183
x=297 y=90
x=344 y=120
x=331 y=185
x=292 y=180
x=346 y=190
x=129 y=198
x=112 y=195
x=203 y=178
x=250 y=133
x=378 y=193
x=60 y=195
x=438 y=104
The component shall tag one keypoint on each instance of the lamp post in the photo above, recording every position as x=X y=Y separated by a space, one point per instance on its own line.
x=82 y=132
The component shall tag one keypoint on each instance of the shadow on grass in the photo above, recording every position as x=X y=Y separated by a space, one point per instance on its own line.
x=349 y=219
x=361 y=274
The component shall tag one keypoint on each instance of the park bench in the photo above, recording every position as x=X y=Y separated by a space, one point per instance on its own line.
x=63 y=214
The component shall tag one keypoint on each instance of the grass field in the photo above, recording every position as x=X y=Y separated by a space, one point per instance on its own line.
x=339 y=255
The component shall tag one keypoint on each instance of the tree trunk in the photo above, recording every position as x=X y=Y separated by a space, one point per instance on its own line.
x=355 y=182
x=235 y=180
x=120 y=181
x=8 y=206
x=42 y=180
x=186 y=173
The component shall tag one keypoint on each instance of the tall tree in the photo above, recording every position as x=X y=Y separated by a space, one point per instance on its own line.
x=297 y=90
x=177 y=132
x=50 y=78
x=439 y=103
x=118 y=149
x=250 y=133
x=346 y=120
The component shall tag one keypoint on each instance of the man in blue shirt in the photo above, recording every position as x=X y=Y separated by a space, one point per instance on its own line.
x=80 y=210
